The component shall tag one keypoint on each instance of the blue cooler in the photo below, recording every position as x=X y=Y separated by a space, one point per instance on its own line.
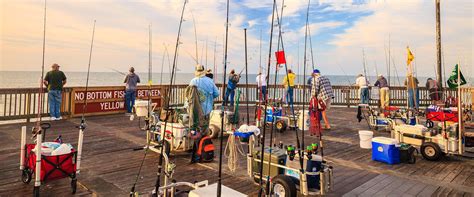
x=385 y=150
x=271 y=114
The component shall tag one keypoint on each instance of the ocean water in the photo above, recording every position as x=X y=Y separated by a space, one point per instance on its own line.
x=30 y=79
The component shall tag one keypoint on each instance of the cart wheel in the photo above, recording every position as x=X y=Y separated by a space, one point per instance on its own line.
x=283 y=186
x=36 y=191
x=213 y=131
x=26 y=176
x=429 y=124
x=73 y=185
x=280 y=126
x=431 y=151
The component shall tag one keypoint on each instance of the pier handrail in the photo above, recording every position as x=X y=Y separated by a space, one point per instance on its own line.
x=21 y=103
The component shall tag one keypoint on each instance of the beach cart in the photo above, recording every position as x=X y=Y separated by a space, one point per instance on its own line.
x=44 y=167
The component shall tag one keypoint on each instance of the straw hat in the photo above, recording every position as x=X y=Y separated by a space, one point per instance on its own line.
x=208 y=71
x=199 y=70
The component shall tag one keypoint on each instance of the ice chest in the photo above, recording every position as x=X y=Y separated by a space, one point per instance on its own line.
x=385 y=150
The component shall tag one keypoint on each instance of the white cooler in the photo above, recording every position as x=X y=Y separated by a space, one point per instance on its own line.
x=177 y=135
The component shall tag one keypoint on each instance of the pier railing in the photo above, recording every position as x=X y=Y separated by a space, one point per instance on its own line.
x=22 y=103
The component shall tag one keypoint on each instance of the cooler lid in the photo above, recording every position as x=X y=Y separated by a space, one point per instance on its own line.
x=384 y=140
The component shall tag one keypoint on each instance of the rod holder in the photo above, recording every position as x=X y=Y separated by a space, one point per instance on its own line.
x=39 y=139
x=22 y=147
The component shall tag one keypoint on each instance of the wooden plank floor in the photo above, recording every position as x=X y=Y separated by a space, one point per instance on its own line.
x=110 y=165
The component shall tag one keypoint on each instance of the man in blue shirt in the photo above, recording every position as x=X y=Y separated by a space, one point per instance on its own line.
x=207 y=90
x=231 y=86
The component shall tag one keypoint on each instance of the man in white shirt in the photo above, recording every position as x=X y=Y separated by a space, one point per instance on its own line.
x=262 y=86
x=363 y=84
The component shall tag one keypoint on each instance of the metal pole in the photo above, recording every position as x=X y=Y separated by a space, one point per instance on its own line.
x=460 y=134
x=246 y=78
x=439 y=77
x=224 y=103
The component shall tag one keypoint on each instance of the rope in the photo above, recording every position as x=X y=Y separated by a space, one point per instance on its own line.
x=232 y=151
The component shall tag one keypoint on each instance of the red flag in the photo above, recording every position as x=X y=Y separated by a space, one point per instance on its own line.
x=280 y=56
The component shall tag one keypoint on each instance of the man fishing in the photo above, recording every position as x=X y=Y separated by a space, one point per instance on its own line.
x=434 y=90
x=289 y=83
x=262 y=86
x=411 y=83
x=363 y=84
x=231 y=86
x=200 y=96
x=384 y=91
x=55 y=81
x=130 y=81
x=321 y=89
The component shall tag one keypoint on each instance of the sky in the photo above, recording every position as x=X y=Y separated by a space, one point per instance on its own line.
x=341 y=31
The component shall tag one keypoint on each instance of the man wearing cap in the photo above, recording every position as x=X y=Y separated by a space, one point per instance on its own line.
x=363 y=84
x=231 y=86
x=321 y=88
x=131 y=81
x=384 y=91
x=262 y=86
x=207 y=90
x=55 y=81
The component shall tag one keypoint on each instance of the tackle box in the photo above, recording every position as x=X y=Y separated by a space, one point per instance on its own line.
x=278 y=157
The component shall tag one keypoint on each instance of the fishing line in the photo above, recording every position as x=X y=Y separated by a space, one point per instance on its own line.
x=266 y=101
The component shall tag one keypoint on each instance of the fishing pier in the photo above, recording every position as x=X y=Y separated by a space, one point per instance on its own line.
x=109 y=162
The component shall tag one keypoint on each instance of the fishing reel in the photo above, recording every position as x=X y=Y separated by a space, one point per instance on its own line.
x=290 y=151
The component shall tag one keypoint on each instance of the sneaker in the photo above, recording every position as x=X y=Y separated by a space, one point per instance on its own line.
x=59 y=118
x=53 y=118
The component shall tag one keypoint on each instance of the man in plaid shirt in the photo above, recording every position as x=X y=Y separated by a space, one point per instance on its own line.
x=322 y=89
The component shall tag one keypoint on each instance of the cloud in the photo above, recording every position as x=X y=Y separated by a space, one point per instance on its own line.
x=340 y=30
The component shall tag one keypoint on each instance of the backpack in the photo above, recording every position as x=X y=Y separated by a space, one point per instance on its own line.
x=205 y=151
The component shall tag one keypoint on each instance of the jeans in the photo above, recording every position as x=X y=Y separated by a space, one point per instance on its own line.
x=54 y=101
x=413 y=96
x=364 y=95
x=289 y=95
x=130 y=100
x=263 y=93
x=229 y=92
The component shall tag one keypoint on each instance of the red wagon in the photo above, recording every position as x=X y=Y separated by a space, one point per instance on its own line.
x=440 y=115
x=47 y=167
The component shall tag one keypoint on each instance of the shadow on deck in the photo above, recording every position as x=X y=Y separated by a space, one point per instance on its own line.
x=110 y=165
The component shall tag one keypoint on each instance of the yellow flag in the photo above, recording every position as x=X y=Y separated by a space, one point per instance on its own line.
x=410 y=56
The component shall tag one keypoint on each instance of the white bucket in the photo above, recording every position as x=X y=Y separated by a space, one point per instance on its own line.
x=303 y=124
x=366 y=139
x=141 y=108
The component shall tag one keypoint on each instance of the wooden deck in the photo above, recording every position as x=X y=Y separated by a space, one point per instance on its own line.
x=110 y=165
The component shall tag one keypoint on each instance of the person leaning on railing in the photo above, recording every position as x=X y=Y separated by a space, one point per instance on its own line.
x=363 y=84
x=321 y=88
x=384 y=91
x=131 y=81
x=55 y=81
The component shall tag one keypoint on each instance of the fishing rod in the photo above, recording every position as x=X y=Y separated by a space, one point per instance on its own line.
x=246 y=78
x=305 y=60
x=215 y=65
x=396 y=71
x=195 y=38
x=117 y=71
x=167 y=101
x=311 y=47
x=363 y=64
x=37 y=129
x=224 y=103
x=147 y=147
x=82 y=126
x=345 y=74
x=162 y=65
x=265 y=101
x=268 y=190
